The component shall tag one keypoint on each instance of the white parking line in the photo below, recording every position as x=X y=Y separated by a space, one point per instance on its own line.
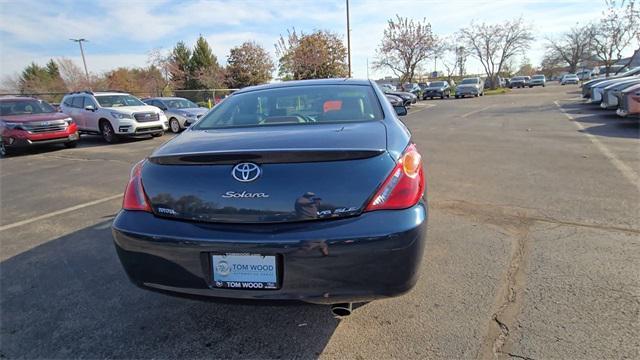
x=59 y=212
x=626 y=171
x=476 y=111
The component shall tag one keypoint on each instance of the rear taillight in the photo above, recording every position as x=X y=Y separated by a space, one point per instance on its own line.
x=405 y=185
x=134 y=197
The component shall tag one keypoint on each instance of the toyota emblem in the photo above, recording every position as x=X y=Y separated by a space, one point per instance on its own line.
x=246 y=172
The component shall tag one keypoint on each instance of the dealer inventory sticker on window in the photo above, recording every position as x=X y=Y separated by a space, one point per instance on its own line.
x=244 y=271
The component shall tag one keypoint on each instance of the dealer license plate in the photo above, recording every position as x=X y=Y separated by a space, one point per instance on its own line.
x=244 y=271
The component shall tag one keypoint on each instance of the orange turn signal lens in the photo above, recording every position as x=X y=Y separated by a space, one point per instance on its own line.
x=411 y=162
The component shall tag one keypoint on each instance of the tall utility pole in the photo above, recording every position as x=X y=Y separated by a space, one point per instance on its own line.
x=348 y=40
x=79 y=41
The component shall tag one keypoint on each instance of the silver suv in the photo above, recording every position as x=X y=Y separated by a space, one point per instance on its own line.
x=113 y=114
x=180 y=112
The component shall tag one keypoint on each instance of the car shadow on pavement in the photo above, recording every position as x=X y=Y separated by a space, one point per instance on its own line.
x=621 y=128
x=70 y=298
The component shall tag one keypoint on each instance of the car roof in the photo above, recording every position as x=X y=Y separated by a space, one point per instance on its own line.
x=165 y=98
x=96 y=93
x=284 y=84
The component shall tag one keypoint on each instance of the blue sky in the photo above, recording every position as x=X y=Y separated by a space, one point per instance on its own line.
x=121 y=33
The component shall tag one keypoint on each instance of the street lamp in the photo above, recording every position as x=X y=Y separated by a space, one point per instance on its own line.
x=79 y=41
x=348 y=40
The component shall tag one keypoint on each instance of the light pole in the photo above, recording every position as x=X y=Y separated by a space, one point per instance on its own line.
x=348 y=40
x=79 y=41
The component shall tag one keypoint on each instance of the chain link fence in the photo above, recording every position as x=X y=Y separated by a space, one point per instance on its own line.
x=205 y=97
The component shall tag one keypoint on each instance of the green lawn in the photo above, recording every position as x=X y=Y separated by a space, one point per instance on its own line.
x=497 y=91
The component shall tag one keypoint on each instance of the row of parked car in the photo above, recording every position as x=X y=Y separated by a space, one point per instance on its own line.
x=27 y=121
x=440 y=89
x=620 y=92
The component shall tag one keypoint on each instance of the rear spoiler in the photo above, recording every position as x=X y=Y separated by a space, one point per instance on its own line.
x=269 y=156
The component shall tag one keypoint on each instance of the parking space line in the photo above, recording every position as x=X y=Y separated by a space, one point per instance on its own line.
x=59 y=212
x=626 y=171
x=476 y=111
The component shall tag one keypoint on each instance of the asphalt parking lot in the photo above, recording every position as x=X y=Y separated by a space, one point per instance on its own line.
x=533 y=250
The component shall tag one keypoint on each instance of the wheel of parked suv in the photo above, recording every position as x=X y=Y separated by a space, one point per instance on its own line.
x=457 y=96
x=107 y=132
x=71 y=144
x=158 y=134
x=3 y=150
x=442 y=96
x=174 y=125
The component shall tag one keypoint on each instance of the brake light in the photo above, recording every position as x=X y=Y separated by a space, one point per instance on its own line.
x=134 y=196
x=405 y=185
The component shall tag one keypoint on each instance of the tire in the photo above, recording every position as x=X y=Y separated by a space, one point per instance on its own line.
x=442 y=96
x=174 y=125
x=457 y=96
x=3 y=150
x=106 y=130
x=158 y=134
x=476 y=95
x=71 y=144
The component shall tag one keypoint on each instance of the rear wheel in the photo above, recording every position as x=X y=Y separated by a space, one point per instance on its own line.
x=107 y=132
x=174 y=125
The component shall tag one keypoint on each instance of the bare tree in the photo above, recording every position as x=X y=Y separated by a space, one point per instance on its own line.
x=494 y=45
x=461 y=60
x=405 y=44
x=617 y=31
x=572 y=47
x=74 y=77
x=162 y=62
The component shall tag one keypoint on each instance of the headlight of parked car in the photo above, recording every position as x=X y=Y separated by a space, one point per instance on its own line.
x=119 y=115
x=68 y=120
x=11 y=125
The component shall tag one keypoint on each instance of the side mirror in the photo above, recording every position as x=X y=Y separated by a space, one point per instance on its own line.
x=164 y=108
x=89 y=108
x=400 y=110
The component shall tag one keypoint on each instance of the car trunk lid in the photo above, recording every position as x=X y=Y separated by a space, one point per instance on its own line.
x=304 y=173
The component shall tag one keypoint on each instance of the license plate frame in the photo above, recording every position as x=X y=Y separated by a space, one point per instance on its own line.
x=245 y=271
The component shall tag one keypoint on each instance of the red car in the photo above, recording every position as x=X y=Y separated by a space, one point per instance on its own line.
x=25 y=121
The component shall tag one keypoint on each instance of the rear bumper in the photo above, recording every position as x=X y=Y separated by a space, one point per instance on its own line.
x=375 y=255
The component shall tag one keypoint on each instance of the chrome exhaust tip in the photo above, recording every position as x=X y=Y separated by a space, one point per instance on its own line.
x=341 y=310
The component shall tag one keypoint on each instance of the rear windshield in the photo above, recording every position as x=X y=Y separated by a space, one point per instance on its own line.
x=469 y=81
x=437 y=83
x=295 y=105
x=25 y=107
x=118 y=100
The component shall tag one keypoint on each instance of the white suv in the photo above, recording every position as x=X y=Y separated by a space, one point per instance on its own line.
x=113 y=114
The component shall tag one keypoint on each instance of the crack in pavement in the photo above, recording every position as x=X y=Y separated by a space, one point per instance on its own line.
x=462 y=207
x=516 y=223
x=71 y=158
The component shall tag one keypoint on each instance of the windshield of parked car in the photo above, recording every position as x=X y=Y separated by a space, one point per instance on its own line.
x=437 y=84
x=518 y=78
x=538 y=76
x=118 y=100
x=469 y=81
x=180 y=104
x=25 y=107
x=295 y=105
x=571 y=76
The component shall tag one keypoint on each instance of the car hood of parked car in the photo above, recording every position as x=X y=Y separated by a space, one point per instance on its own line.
x=190 y=111
x=432 y=88
x=134 y=109
x=34 y=117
